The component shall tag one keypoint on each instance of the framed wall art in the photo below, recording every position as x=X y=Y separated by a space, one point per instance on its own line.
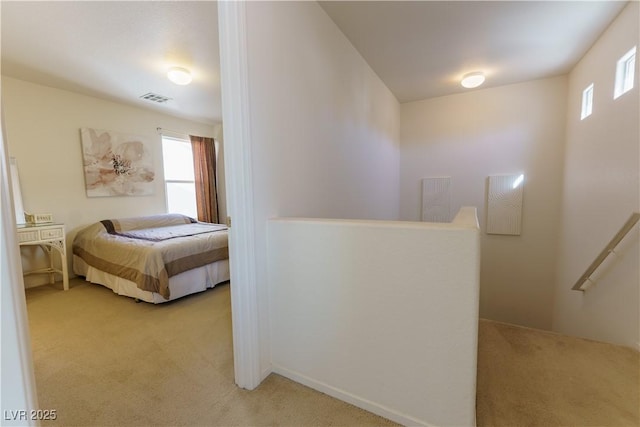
x=116 y=164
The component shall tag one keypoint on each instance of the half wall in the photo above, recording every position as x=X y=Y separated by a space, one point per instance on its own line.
x=381 y=314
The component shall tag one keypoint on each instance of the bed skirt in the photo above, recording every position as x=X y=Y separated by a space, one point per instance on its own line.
x=188 y=282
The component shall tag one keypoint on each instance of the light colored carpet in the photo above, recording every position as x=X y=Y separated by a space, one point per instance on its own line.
x=528 y=377
x=103 y=360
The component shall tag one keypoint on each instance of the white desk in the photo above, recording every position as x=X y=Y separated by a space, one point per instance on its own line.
x=50 y=237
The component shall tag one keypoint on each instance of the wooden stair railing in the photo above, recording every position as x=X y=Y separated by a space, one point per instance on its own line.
x=633 y=219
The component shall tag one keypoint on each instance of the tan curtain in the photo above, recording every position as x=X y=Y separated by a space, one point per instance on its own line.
x=204 y=164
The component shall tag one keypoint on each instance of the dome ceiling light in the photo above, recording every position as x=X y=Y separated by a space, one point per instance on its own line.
x=472 y=80
x=179 y=76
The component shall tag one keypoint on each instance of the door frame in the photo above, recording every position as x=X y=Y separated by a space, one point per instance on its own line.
x=236 y=117
x=18 y=387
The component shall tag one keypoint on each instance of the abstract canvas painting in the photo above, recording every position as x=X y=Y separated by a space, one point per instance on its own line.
x=116 y=164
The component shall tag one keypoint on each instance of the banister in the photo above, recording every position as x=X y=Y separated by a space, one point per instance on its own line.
x=633 y=219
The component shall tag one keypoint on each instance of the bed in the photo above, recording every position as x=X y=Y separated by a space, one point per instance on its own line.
x=155 y=258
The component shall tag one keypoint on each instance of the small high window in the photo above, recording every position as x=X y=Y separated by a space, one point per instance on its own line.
x=587 y=102
x=625 y=73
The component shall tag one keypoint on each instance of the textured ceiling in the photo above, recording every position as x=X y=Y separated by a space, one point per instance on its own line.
x=117 y=50
x=420 y=49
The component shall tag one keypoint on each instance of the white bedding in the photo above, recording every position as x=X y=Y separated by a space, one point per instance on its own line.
x=188 y=282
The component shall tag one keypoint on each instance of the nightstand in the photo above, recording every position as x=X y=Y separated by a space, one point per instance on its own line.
x=51 y=237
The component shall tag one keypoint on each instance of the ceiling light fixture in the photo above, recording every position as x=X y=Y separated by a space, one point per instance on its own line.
x=472 y=80
x=180 y=76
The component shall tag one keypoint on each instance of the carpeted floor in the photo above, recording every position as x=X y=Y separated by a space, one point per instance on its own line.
x=103 y=360
x=528 y=377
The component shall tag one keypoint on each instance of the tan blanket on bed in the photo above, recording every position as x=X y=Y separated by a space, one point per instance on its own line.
x=149 y=264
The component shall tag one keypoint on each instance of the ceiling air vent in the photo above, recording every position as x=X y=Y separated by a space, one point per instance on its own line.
x=154 y=97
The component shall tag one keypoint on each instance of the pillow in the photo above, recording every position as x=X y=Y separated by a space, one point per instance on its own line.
x=137 y=223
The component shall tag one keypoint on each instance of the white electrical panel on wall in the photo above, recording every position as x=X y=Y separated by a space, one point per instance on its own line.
x=504 y=204
x=436 y=199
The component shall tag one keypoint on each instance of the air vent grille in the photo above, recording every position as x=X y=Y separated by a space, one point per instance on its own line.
x=154 y=97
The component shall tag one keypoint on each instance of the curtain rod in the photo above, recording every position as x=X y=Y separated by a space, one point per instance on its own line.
x=175 y=132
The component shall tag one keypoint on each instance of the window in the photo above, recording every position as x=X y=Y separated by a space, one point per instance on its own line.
x=624 y=73
x=587 y=102
x=179 y=179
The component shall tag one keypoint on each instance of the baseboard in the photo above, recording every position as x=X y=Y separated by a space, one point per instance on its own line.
x=266 y=373
x=362 y=403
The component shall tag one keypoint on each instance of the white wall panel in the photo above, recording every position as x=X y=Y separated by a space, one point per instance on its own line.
x=504 y=204
x=436 y=199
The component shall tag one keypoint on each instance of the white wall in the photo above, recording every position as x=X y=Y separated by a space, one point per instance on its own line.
x=381 y=314
x=17 y=381
x=506 y=130
x=43 y=134
x=324 y=127
x=601 y=189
